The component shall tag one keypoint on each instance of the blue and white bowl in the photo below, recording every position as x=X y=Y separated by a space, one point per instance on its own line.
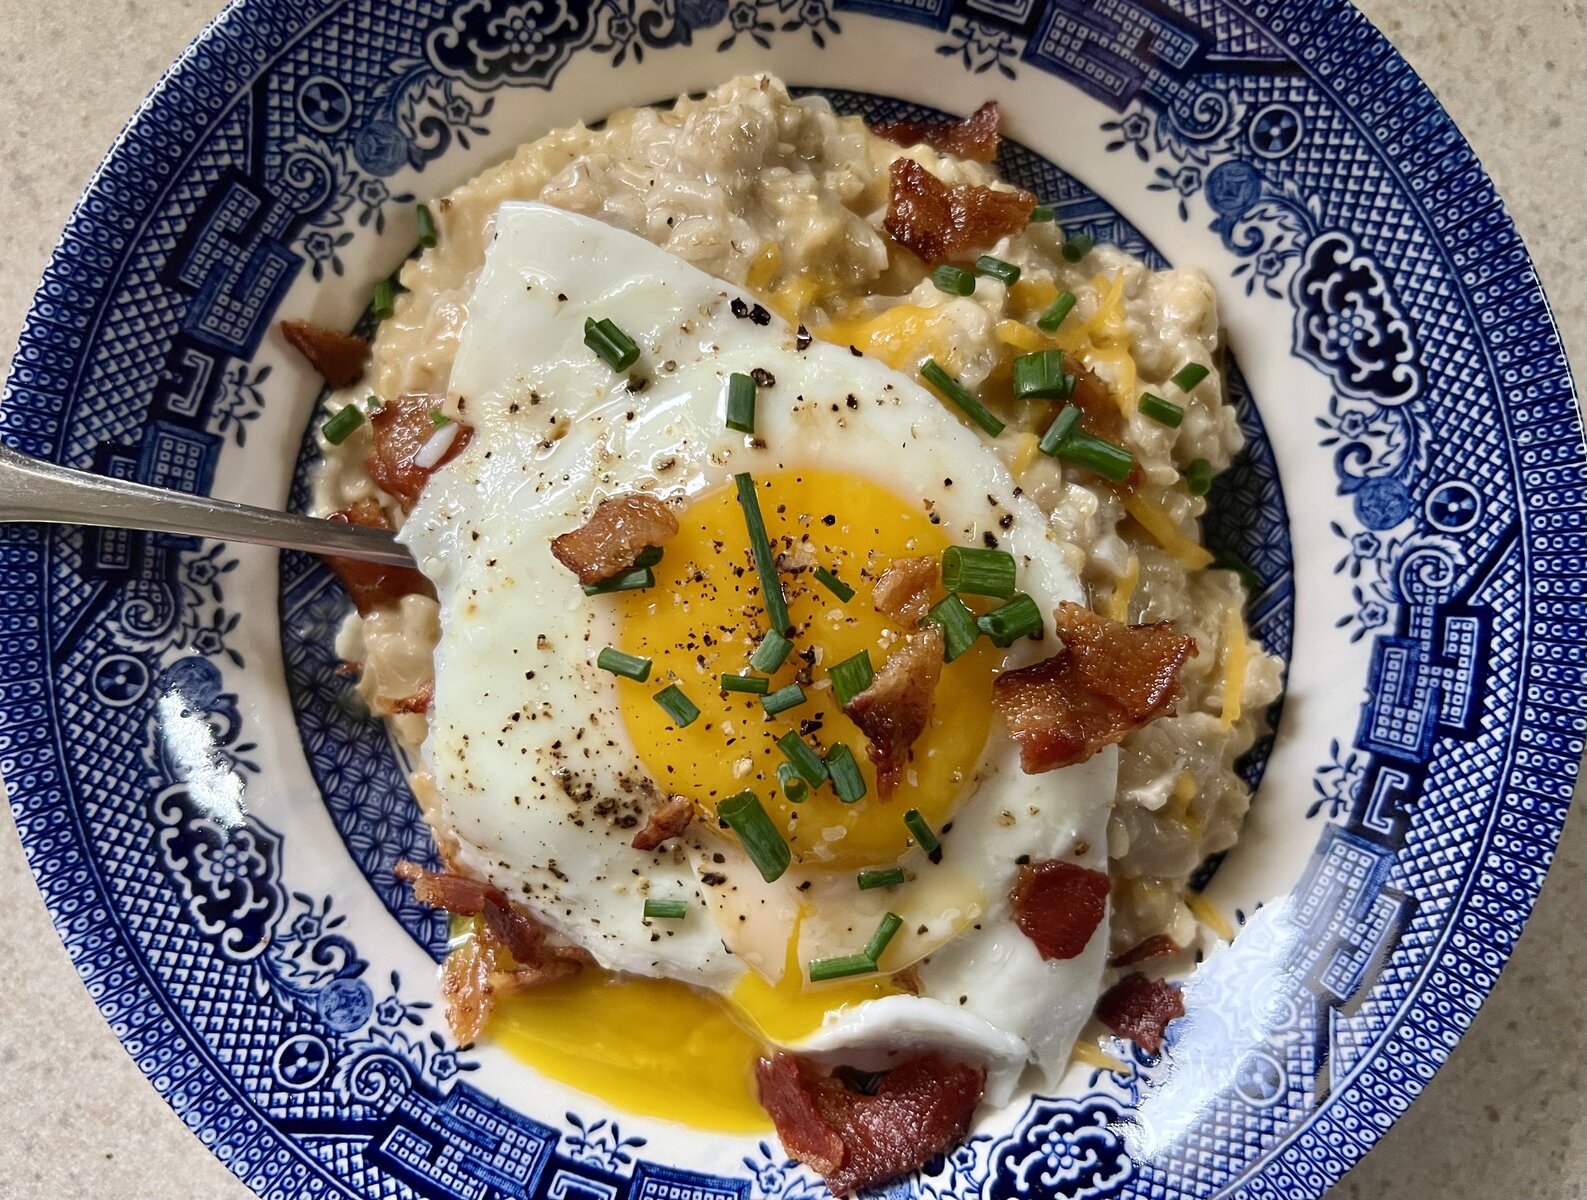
x=1412 y=503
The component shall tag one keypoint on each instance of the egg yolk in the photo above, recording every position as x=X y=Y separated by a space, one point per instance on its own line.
x=706 y=616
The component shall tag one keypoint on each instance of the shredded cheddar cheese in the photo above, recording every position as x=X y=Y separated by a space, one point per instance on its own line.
x=1024 y=338
x=1152 y=517
x=1095 y=1056
x=1201 y=908
x=902 y=337
x=793 y=298
x=763 y=267
x=1235 y=653
x=1178 y=806
x=1026 y=447
x=1119 y=602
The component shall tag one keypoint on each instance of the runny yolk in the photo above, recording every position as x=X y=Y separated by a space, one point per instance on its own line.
x=706 y=616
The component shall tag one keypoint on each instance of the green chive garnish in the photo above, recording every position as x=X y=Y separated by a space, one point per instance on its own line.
x=920 y=830
x=1062 y=426
x=648 y=557
x=851 y=676
x=614 y=346
x=1107 y=460
x=772 y=652
x=757 y=685
x=1043 y=212
x=794 y=789
x=384 y=301
x=1161 y=411
x=1005 y=273
x=1054 y=316
x=629 y=666
x=740 y=402
x=677 y=706
x=631 y=580
x=956 y=281
x=891 y=924
x=1009 y=622
x=1041 y=376
x=783 y=699
x=956 y=392
x=958 y=626
x=438 y=418
x=666 y=910
x=1189 y=375
x=427 y=237
x=803 y=759
x=822 y=969
x=340 y=427
x=833 y=584
x=972 y=571
x=847 y=781
x=1198 y=477
x=880 y=877
x=1078 y=246
x=762 y=842
x=765 y=564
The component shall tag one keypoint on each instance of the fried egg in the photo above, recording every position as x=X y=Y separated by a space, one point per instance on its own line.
x=547 y=764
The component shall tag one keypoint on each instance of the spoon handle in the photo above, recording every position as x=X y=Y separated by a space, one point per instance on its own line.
x=34 y=490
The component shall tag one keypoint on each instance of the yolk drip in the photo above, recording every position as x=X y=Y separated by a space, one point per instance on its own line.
x=706 y=616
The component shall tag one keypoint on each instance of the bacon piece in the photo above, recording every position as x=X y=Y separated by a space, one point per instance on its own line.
x=1100 y=415
x=373 y=585
x=903 y=591
x=466 y=989
x=1109 y=680
x=1058 y=905
x=668 y=821
x=892 y=712
x=457 y=894
x=1140 y=1009
x=1153 y=947
x=976 y=137
x=852 y=1140
x=338 y=358
x=418 y=702
x=400 y=428
x=938 y=221
x=617 y=532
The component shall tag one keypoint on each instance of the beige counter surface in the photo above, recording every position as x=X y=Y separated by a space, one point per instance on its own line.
x=1506 y=1117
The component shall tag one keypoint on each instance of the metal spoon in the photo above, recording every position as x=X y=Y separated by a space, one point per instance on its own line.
x=34 y=490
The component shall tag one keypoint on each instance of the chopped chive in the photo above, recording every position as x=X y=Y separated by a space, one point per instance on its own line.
x=956 y=281
x=958 y=626
x=1049 y=321
x=1009 y=622
x=1062 y=426
x=373 y=403
x=851 y=676
x=1189 y=375
x=1078 y=246
x=880 y=877
x=384 y=301
x=1229 y=561
x=1161 y=411
x=740 y=402
x=844 y=772
x=438 y=418
x=1107 y=460
x=427 y=237
x=1043 y=212
x=765 y=564
x=629 y=666
x=833 y=584
x=614 y=346
x=648 y=557
x=631 y=580
x=340 y=427
x=666 y=910
x=783 y=699
x=677 y=706
x=822 y=969
x=1198 y=477
x=973 y=571
x=1005 y=273
x=762 y=842
x=960 y=395
x=794 y=789
x=772 y=652
x=757 y=685
x=920 y=830
x=877 y=946
x=1041 y=376
x=803 y=759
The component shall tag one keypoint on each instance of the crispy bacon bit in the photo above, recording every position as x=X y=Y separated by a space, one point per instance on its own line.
x=938 y=221
x=1058 y=905
x=457 y=894
x=400 y=428
x=1109 y=680
x=668 y=821
x=976 y=137
x=617 y=532
x=373 y=585
x=1153 y=947
x=338 y=358
x=419 y=701
x=852 y=1140
x=903 y=591
x=1140 y=1009
x=893 y=711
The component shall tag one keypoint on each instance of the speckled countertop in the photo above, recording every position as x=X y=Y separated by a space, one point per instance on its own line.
x=1506 y=1117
